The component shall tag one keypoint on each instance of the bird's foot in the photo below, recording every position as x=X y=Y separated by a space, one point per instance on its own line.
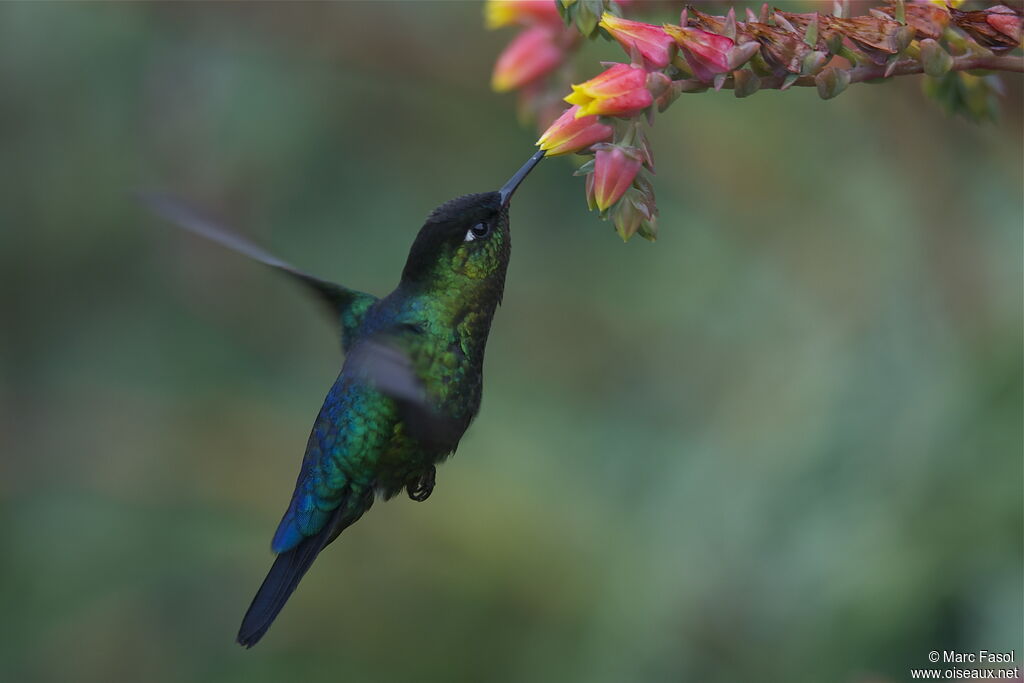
x=424 y=487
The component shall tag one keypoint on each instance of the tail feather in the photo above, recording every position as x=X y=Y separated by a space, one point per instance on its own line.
x=290 y=566
x=281 y=581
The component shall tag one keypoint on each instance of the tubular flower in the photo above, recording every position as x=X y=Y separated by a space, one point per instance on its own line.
x=615 y=167
x=619 y=91
x=531 y=55
x=571 y=134
x=706 y=53
x=653 y=44
x=499 y=13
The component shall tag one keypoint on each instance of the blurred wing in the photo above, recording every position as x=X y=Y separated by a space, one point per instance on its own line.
x=348 y=305
x=383 y=363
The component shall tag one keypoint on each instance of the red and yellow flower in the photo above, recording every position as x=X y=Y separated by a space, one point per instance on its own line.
x=499 y=13
x=534 y=53
x=706 y=53
x=615 y=167
x=619 y=91
x=651 y=42
x=570 y=134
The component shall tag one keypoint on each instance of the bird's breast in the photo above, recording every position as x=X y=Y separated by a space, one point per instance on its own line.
x=453 y=374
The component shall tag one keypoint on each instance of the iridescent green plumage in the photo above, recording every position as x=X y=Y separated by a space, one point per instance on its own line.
x=409 y=387
x=437 y=320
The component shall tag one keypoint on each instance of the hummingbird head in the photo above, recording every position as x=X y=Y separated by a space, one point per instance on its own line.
x=466 y=240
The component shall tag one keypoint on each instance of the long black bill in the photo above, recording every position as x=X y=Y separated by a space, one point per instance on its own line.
x=513 y=182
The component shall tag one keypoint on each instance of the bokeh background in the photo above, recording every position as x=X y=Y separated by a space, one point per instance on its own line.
x=782 y=444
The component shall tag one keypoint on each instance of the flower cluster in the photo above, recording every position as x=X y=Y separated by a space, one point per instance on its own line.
x=605 y=116
x=772 y=49
x=531 y=61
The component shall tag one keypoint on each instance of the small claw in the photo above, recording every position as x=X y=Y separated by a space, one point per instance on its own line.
x=422 y=489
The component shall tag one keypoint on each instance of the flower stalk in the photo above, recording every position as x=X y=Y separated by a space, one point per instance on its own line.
x=959 y=51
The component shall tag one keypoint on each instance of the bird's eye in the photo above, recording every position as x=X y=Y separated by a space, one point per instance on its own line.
x=478 y=231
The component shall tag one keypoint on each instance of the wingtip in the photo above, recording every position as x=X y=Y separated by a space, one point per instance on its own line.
x=157 y=202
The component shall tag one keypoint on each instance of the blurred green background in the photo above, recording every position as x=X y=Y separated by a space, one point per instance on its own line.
x=782 y=444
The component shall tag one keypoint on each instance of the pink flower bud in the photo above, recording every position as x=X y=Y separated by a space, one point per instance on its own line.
x=652 y=43
x=498 y=13
x=531 y=55
x=619 y=91
x=997 y=28
x=706 y=53
x=615 y=167
x=1007 y=23
x=570 y=134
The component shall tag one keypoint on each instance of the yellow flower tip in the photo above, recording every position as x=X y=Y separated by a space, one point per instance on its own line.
x=501 y=83
x=548 y=145
x=577 y=96
x=577 y=89
x=498 y=13
x=602 y=202
x=586 y=105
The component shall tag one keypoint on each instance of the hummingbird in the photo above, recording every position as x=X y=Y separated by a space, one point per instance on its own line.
x=409 y=386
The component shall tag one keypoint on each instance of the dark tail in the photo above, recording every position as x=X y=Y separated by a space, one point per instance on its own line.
x=284 y=576
x=290 y=566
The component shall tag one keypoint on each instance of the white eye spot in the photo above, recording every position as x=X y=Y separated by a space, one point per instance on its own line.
x=469 y=236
